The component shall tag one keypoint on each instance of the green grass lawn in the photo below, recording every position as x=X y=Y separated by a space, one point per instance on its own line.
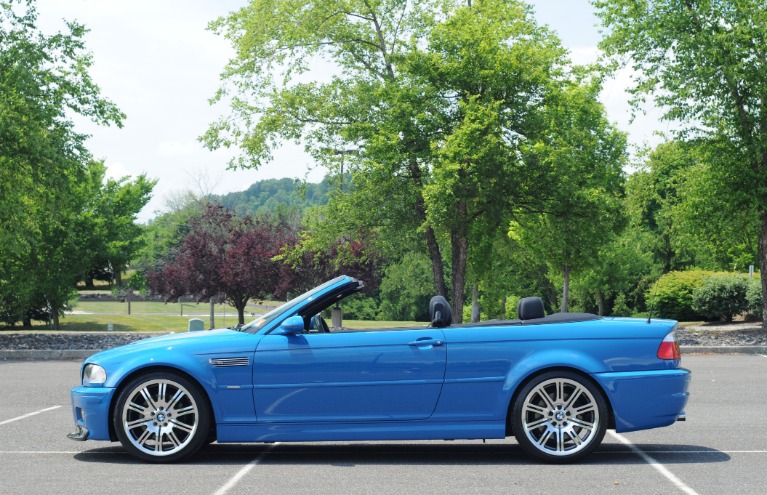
x=92 y=316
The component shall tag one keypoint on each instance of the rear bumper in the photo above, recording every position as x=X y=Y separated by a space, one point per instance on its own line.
x=90 y=407
x=646 y=399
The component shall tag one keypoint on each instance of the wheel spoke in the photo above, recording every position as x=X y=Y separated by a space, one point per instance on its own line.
x=534 y=408
x=158 y=442
x=582 y=424
x=135 y=424
x=184 y=411
x=559 y=396
x=560 y=440
x=544 y=438
x=541 y=392
x=173 y=439
x=535 y=424
x=575 y=438
x=137 y=408
x=573 y=398
x=144 y=437
x=586 y=408
x=176 y=397
x=182 y=426
x=148 y=398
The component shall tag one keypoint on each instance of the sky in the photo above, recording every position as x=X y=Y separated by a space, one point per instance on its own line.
x=158 y=63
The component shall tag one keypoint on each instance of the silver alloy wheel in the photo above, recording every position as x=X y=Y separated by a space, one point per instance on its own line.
x=560 y=417
x=160 y=417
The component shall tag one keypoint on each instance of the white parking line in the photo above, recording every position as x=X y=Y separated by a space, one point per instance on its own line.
x=28 y=415
x=655 y=464
x=242 y=472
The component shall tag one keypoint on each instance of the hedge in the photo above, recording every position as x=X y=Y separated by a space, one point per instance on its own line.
x=720 y=295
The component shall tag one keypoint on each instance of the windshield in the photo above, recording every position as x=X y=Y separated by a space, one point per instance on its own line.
x=259 y=323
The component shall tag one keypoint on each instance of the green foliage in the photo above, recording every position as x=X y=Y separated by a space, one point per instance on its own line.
x=360 y=307
x=754 y=298
x=620 y=306
x=705 y=64
x=406 y=289
x=47 y=177
x=672 y=296
x=721 y=297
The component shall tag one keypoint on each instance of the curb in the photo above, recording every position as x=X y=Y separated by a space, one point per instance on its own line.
x=79 y=354
x=46 y=355
x=723 y=349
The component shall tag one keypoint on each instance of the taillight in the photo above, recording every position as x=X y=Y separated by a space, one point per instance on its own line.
x=669 y=348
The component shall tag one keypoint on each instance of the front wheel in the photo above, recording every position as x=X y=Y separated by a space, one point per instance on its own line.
x=161 y=417
x=559 y=416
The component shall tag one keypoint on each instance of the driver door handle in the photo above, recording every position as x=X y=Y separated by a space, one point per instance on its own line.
x=427 y=341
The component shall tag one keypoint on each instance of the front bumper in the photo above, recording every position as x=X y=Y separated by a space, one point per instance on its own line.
x=90 y=407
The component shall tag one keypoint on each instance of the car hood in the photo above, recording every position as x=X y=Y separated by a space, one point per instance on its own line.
x=202 y=342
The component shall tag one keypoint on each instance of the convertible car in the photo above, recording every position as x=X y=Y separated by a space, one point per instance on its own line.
x=554 y=382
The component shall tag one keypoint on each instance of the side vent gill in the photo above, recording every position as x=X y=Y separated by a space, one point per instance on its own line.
x=229 y=362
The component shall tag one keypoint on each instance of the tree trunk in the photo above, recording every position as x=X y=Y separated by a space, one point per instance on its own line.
x=475 y=303
x=460 y=247
x=565 y=288
x=763 y=265
x=118 y=276
x=601 y=302
x=240 y=306
x=502 y=316
x=213 y=313
x=55 y=317
x=437 y=268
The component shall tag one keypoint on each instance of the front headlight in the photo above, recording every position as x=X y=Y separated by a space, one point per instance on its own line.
x=93 y=374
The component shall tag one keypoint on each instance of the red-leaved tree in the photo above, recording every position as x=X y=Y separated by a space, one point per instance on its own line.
x=225 y=256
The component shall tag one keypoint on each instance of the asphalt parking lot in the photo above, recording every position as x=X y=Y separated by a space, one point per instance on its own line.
x=722 y=448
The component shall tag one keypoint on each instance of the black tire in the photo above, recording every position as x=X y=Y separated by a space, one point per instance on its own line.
x=161 y=417
x=559 y=417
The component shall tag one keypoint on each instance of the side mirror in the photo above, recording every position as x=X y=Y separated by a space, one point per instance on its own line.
x=291 y=326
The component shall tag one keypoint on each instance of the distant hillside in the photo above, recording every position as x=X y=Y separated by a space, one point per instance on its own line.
x=277 y=197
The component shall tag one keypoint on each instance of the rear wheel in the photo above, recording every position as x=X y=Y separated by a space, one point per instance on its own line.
x=161 y=417
x=559 y=416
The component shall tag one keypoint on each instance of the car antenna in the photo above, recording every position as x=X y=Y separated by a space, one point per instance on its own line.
x=652 y=303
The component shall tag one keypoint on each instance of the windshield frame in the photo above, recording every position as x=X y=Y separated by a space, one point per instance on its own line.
x=264 y=320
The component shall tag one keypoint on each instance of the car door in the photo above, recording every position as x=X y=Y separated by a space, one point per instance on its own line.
x=389 y=375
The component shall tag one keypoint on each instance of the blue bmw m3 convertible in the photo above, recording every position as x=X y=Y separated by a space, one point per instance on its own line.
x=554 y=382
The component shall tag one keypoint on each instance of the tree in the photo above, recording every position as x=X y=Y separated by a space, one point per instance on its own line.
x=416 y=86
x=583 y=213
x=226 y=257
x=705 y=63
x=44 y=166
x=116 y=238
x=363 y=115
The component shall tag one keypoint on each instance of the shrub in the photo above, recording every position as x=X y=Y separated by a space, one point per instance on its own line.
x=754 y=298
x=721 y=297
x=671 y=296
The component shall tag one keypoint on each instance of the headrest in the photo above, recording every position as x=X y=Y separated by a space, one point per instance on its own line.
x=440 y=313
x=529 y=308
